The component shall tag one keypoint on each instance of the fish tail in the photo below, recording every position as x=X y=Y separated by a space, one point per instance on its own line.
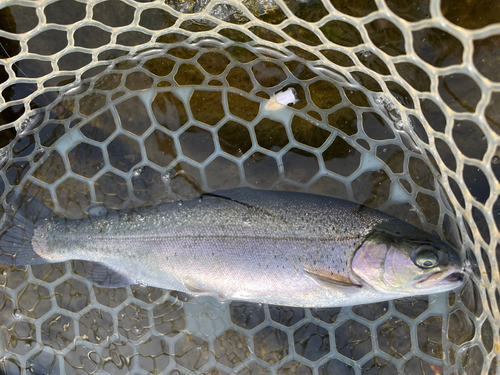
x=15 y=238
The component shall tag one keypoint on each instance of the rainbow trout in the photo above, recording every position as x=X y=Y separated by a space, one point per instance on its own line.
x=272 y=247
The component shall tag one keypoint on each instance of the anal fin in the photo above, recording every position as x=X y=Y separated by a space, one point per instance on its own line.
x=105 y=277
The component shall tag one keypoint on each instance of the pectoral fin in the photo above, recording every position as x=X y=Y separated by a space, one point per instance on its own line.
x=195 y=288
x=329 y=279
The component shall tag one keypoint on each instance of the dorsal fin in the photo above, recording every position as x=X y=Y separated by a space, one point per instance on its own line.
x=328 y=279
x=214 y=195
x=248 y=205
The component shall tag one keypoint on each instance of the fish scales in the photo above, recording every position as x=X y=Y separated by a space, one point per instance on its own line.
x=246 y=244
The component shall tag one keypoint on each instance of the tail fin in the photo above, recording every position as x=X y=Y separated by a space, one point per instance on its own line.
x=15 y=238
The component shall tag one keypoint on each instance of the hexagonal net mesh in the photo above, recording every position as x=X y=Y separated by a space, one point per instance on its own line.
x=129 y=103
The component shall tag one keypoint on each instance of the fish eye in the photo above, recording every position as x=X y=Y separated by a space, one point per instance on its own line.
x=427 y=259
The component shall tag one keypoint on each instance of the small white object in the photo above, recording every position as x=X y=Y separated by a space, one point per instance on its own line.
x=137 y=172
x=281 y=100
x=287 y=97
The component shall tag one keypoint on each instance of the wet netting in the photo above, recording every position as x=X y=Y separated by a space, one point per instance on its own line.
x=128 y=103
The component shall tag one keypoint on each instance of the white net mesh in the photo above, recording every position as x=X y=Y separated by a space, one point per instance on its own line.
x=129 y=103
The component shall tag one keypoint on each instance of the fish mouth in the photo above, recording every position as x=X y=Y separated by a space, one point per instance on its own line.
x=455 y=277
x=451 y=278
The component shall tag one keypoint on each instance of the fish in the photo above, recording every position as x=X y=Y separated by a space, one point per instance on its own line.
x=273 y=247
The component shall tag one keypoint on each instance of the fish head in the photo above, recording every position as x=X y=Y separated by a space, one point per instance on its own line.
x=405 y=261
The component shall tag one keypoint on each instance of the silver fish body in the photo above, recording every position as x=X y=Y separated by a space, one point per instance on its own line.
x=270 y=247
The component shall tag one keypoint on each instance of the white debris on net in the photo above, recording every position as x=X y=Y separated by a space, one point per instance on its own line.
x=282 y=99
x=287 y=97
